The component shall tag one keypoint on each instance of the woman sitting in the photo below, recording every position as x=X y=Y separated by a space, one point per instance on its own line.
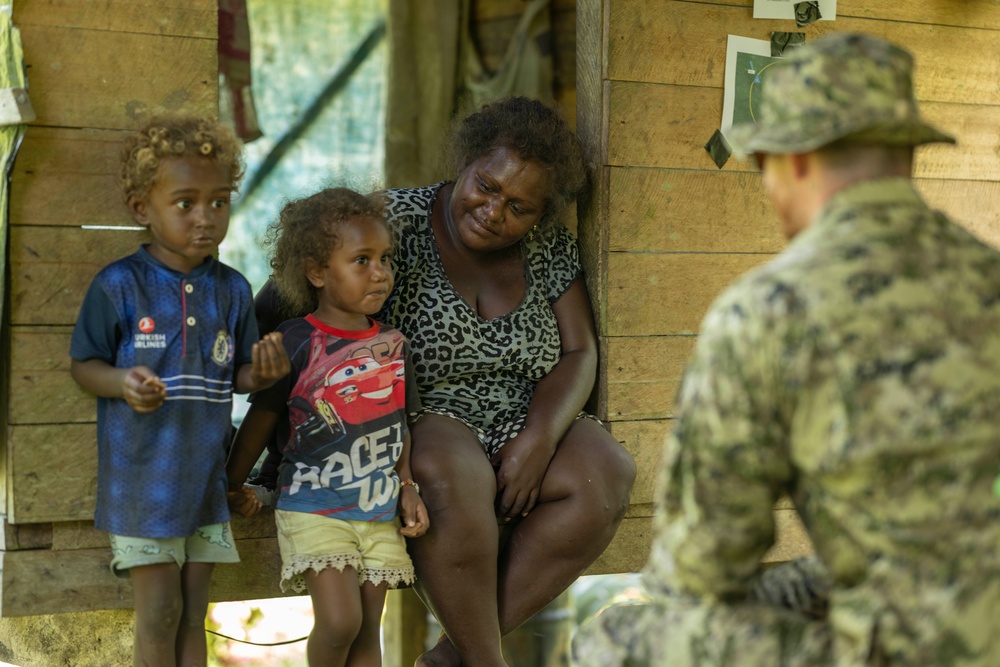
x=490 y=293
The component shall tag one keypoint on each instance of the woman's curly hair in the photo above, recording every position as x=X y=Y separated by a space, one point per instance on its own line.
x=171 y=136
x=306 y=233
x=533 y=130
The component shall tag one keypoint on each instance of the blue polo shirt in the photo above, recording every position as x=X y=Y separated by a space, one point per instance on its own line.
x=162 y=474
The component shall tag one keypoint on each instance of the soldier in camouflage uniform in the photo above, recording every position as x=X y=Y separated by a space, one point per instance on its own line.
x=858 y=372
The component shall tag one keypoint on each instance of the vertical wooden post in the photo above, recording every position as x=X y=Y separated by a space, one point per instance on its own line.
x=404 y=628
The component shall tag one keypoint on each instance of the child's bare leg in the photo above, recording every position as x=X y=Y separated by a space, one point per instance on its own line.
x=366 y=651
x=191 y=648
x=158 y=605
x=337 y=609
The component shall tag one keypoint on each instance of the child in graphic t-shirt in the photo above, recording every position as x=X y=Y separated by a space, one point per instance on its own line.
x=342 y=414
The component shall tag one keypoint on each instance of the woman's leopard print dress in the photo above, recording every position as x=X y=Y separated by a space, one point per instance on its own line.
x=481 y=372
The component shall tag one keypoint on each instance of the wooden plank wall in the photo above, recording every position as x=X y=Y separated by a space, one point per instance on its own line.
x=664 y=229
x=94 y=71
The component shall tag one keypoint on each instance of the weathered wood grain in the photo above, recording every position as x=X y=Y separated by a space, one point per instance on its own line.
x=658 y=125
x=671 y=210
x=256 y=576
x=972 y=204
x=629 y=550
x=50 y=582
x=78 y=76
x=68 y=176
x=25 y=536
x=70 y=535
x=977 y=155
x=592 y=131
x=42 y=581
x=644 y=440
x=51 y=268
x=41 y=389
x=684 y=43
x=45 y=397
x=184 y=18
x=966 y=13
x=47 y=582
x=51 y=473
x=643 y=375
x=665 y=294
x=40 y=349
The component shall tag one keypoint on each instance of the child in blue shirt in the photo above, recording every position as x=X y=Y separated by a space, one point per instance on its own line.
x=164 y=337
x=341 y=415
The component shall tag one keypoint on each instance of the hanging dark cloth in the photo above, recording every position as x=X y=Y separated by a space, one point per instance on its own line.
x=235 y=94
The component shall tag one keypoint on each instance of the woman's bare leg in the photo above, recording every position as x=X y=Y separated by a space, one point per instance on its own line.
x=583 y=499
x=456 y=560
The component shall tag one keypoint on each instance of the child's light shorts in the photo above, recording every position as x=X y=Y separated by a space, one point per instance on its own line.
x=375 y=549
x=209 y=544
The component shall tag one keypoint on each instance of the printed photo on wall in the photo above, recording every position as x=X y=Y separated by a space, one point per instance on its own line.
x=747 y=63
x=803 y=13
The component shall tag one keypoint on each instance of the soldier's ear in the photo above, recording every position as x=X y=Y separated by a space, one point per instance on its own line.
x=801 y=164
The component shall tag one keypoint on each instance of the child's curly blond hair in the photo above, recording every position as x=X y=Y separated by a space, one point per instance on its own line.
x=176 y=135
x=305 y=234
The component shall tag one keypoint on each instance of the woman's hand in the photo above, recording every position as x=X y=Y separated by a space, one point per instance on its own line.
x=521 y=464
x=413 y=513
x=559 y=396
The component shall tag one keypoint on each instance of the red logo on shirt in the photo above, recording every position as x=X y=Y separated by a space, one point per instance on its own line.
x=146 y=325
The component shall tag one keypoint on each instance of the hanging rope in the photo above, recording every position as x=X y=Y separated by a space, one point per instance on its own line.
x=247 y=641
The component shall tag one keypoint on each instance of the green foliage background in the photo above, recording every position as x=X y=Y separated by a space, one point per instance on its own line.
x=297 y=47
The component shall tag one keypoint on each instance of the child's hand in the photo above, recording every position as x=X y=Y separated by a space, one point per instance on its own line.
x=143 y=390
x=413 y=512
x=270 y=361
x=243 y=501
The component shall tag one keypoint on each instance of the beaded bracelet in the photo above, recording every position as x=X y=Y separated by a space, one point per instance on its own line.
x=410 y=482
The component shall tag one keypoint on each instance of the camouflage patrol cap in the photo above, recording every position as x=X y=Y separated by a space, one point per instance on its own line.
x=845 y=86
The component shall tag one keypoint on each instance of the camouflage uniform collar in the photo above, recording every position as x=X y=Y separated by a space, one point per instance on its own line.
x=876 y=192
